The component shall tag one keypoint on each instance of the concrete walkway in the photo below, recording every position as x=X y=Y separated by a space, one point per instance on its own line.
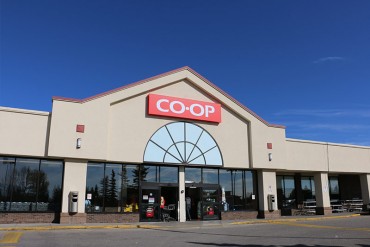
x=172 y=224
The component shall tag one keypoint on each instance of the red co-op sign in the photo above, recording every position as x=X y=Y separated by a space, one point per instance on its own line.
x=183 y=108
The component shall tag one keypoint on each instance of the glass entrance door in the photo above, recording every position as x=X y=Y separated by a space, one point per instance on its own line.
x=211 y=203
x=203 y=202
x=150 y=203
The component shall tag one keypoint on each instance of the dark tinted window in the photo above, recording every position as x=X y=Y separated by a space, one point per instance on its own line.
x=210 y=176
x=112 y=187
x=193 y=175
x=169 y=174
x=30 y=184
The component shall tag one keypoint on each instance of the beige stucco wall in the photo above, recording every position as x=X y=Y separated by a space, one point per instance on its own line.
x=266 y=186
x=117 y=127
x=74 y=180
x=349 y=158
x=23 y=132
x=261 y=135
x=306 y=156
x=130 y=128
x=328 y=157
x=63 y=135
x=322 y=190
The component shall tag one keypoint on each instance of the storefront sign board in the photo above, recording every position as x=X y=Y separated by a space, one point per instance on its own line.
x=161 y=105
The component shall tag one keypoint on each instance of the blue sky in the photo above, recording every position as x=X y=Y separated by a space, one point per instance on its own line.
x=302 y=64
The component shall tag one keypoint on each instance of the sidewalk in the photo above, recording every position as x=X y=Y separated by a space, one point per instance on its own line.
x=172 y=224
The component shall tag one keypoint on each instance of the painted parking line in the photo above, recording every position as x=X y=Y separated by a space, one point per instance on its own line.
x=11 y=238
x=321 y=227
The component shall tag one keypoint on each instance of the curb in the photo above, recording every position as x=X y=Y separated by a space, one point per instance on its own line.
x=74 y=227
x=295 y=219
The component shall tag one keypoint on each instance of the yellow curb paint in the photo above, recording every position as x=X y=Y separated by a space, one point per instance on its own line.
x=295 y=219
x=323 y=227
x=46 y=228
x=25 y=229
x=11 y=238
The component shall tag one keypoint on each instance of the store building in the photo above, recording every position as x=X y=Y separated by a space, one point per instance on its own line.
x=174 y=140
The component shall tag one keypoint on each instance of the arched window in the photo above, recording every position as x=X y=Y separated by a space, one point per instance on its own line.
x=183 y=143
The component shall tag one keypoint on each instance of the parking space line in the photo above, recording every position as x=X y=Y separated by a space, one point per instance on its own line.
x=11 y=238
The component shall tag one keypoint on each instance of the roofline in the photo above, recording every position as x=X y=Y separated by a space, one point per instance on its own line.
x=235 y=101
x=326 y=143
x=120 y=88
x=24 y=111
x=163 y=75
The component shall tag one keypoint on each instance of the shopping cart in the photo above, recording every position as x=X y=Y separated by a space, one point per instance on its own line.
x=166 y=212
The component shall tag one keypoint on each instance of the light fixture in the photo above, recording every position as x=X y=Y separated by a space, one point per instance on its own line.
x=78 y=144
x=270 y=156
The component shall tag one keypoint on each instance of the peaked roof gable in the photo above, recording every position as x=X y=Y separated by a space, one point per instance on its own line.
x=186 y=68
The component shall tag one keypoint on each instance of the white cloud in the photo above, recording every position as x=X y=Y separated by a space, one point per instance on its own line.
x=329 y=59
x=309 y=112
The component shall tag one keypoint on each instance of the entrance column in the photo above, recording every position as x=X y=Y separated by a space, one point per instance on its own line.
x=267 y=186
x=74 y=180
x=322 y=194
x=365 y=188
x=182 y=204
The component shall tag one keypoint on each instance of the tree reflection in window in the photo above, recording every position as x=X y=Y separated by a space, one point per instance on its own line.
x=183 y=143
x=30 y=184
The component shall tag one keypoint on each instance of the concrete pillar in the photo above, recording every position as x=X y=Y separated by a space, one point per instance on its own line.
x=267 y=186
x=74 y=180
x=182 y=203
x=322 y=194
x=365 y=188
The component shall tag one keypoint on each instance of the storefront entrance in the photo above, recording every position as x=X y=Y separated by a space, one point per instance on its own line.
x=150 y=201
x=203 y=202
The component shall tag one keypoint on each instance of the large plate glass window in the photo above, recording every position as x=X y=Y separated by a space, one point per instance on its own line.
x=238 y=190
x=308 y=188
x=334 y=188
x=286 y=192
x=112 y=188
x=30 y=184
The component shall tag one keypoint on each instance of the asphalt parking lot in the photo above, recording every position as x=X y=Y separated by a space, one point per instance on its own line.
x=350 y=230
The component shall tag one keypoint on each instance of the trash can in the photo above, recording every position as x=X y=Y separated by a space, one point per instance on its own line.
x=73 y=201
